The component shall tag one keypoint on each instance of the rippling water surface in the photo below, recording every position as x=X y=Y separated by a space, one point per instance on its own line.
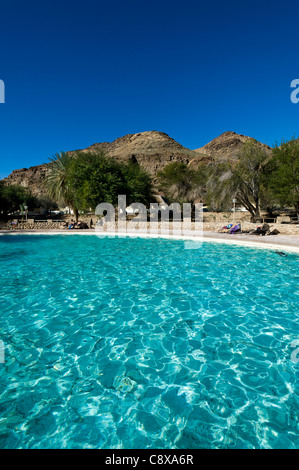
x=140 y=343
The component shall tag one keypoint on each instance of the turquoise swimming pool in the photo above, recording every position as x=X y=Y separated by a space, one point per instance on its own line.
x=140 y=343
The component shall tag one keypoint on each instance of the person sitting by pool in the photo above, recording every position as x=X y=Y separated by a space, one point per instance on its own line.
x=82 y=225
x=72 y=225
x=264 y=230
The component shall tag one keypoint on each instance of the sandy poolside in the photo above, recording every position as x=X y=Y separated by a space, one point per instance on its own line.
x=280 y=242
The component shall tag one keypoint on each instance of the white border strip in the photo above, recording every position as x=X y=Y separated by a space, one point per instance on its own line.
x=247 y=243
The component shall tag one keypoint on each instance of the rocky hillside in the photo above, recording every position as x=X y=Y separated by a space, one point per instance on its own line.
x=32 y=178
x=225 y=147
x=151 y=150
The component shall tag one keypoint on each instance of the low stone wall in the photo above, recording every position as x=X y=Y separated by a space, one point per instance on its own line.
x=213 y=222
x=284 y=229
x=225 y=217
x=33 y=226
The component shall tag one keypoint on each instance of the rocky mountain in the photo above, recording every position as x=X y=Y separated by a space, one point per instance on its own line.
x=224 y=148
x=152 y=150
x=32 y=178
x=227 y=145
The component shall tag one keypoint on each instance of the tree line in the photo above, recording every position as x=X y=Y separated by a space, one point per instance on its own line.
x=81 y=181
x=257 y=179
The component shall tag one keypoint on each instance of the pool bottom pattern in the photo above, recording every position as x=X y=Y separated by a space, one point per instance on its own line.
x=134 y=343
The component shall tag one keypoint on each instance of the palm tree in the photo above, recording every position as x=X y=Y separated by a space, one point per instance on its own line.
x=57 y=180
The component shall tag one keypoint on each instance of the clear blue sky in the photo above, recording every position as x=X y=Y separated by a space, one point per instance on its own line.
x=80 y=72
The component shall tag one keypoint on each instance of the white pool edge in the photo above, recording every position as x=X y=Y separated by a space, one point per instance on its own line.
x=219 y=239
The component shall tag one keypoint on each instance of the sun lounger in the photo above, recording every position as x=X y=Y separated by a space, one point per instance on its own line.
x=235 y=228
x=226 y=228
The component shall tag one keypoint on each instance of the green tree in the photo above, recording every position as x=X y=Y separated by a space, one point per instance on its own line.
x=139 y=186
x=86 y=179
x=95 y=178
x=181 y=183
x=284 y=179
x=14 y=196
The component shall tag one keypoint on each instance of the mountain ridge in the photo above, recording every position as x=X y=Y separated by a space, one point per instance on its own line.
x=152 y=150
